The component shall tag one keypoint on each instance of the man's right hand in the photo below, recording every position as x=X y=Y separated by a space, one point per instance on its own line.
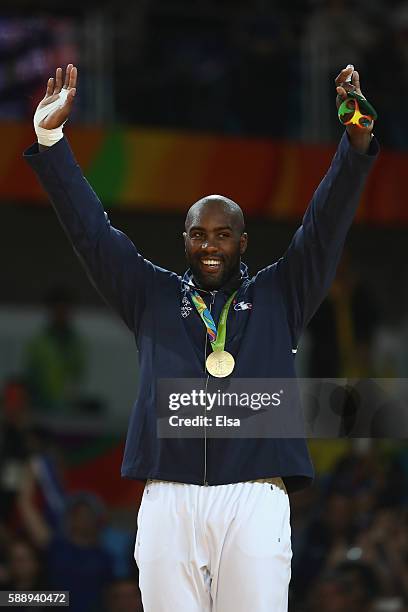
x=57 y=117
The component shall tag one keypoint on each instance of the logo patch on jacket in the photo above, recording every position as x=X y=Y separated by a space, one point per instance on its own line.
x=243 y=306
x=186 y=307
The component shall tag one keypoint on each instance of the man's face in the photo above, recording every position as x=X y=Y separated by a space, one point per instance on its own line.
x=214 y=243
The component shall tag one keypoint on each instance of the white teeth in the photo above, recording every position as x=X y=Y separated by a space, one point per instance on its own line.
x=211 y=262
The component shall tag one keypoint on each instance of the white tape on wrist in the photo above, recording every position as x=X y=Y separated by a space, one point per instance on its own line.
x=49 y=137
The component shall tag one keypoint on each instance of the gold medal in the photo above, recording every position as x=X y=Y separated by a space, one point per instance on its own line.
x=220 y=363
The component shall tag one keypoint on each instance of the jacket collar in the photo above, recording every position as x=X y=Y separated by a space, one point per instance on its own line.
x=228 y=288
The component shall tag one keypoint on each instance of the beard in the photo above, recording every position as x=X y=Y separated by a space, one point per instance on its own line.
x=213 y=280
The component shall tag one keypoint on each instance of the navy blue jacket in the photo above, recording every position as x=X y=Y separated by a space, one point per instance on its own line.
x=152 y=302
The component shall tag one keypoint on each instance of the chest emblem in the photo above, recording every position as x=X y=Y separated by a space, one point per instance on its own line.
x=243 y=306
x=186 y=307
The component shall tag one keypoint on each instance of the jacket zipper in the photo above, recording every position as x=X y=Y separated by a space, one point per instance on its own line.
x=205 y=481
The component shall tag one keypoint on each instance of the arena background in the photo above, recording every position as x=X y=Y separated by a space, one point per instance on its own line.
x=177 y=99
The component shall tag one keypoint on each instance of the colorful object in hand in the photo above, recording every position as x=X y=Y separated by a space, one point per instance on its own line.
x=356 y=110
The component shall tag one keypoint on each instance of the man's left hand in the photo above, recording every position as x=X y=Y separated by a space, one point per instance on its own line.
x=360 y=137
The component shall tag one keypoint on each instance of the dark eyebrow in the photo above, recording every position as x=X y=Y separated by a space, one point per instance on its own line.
x=216 y=229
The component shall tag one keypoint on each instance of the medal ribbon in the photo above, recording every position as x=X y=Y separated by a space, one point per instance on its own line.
x=216 y=335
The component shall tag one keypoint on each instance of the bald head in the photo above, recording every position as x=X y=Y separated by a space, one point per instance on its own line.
x=219 y=205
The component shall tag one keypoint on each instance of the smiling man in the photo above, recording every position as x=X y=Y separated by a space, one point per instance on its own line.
x=214 y=241
x=213 y=526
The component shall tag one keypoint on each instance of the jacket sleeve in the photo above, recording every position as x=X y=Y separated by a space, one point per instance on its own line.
x=110 y=258
x=308 y=267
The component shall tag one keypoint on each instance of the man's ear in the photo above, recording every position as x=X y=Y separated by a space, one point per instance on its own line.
x=243 y=243
x=185 y=241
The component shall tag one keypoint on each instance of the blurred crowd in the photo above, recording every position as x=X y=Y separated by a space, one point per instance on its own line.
x=51 y=539
x=264 y=69
x=349 y=530
x=350 y=534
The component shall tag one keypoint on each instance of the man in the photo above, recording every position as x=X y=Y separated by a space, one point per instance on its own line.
x=209 y=537
x=75 y=558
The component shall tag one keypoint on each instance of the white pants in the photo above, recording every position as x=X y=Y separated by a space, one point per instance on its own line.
x=219 y=548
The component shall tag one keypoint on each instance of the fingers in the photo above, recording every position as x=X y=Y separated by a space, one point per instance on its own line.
x=67 y=73
x=344 y=75
x=72 y=77
x=54 y=86
x=58 y=80
x=50 y=88
x=341 y=92
x=347 y=80
x=355 y=79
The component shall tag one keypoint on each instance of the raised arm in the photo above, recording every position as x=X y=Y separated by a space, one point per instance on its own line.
x=113 y=264
x=33 y=521
x=307 y=269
